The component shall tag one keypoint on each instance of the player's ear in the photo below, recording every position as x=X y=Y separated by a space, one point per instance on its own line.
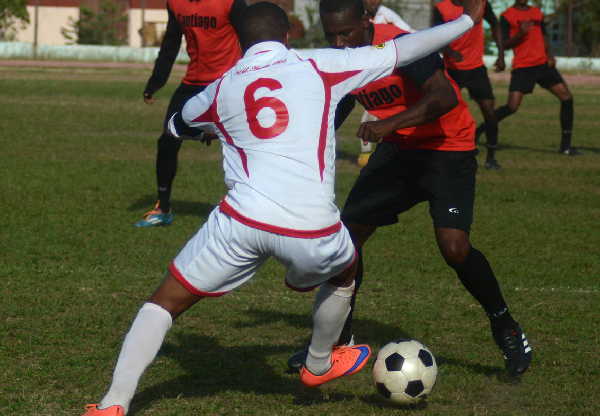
x=365 y=20
x=286 y=41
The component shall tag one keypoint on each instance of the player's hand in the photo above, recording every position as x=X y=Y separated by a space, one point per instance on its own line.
x=455 y=55
x=148 y=99
x=374 y=131
x=525 y=27
x=475 y=9
x=551 y=61
x=500 y=65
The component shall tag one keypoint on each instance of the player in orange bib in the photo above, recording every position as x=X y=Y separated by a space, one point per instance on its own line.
x=426 y=152
x=464 y=60
x=523 y=30
x=213 y=47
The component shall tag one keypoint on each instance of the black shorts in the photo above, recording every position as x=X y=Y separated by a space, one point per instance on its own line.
x=476 y=81
x=181 y=95
x=395 y=180
x=524 y=79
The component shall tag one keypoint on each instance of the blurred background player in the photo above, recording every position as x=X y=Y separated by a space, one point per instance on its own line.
x=280 y=171
x=379 y=15
x=427 y=153
x=213 y=47
x=523 y=30
x=464 y=61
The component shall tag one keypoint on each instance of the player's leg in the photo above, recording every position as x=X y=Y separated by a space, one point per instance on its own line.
x=144 y=339
x=215 y=261
x=166 y=162
x=331 y=263
x=373 y=201
x=522 y=81
x=480 y=90
x=553 y=82
x=451 y=182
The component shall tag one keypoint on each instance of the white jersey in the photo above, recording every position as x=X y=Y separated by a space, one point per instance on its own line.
x=386 y=15
x=274 y=113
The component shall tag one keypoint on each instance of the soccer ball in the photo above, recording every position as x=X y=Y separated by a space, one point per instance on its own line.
x=405 y=371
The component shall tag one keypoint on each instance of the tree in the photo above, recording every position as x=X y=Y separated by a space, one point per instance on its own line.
x=101 y=28
x=13 y=16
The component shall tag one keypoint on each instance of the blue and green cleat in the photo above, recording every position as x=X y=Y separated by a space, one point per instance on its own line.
x=155 y=218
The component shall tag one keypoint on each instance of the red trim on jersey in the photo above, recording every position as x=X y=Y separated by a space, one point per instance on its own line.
x=329 y=79
x=181 y=279
x=212 y=115
x=289 y=232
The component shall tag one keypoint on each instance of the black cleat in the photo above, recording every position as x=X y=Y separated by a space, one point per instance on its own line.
x=517 y=351
x=570 y=151
x=297 y=360
x=492 y=164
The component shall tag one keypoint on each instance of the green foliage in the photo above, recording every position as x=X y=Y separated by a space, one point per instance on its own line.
x=104 y=27
x=13 y=16
x=586 y=25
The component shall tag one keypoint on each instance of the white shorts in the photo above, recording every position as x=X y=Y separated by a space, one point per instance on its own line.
x=225 y=253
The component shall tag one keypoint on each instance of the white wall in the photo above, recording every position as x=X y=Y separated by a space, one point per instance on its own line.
x=159 y=16
x=50 y=21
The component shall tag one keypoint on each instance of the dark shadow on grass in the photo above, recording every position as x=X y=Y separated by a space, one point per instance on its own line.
x=588 y=149
x=347 y=156
x=366 y=330
x=211 y=368
x=380 y=402
x=191 y=208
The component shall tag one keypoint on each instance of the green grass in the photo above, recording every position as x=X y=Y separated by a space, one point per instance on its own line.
x=77 y=169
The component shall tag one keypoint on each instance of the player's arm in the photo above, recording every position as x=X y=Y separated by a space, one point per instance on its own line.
x=394 y=18
x=438 y=98
x=169 y=49
x=195 y=120
x=551 y=58
x=343 y=110
x=436 y=20
x=508 y=41
x=492 y=20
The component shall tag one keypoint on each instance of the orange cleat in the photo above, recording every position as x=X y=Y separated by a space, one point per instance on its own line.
x=345 y=361
x=92 y=410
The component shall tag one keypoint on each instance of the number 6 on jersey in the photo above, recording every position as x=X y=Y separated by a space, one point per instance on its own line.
x=254 y=106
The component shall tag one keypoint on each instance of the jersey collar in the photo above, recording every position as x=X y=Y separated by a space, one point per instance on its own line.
x=263 y=47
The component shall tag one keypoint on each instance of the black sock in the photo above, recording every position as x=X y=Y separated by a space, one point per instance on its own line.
x=491 y=133
x=346 y=334
x=503 y=112
x=166 y=168
x=477 y=276
x=566 y=123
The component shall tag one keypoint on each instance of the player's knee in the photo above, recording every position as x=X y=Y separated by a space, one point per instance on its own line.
x=455 y=251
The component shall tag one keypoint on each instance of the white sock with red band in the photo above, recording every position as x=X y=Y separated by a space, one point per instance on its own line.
x=332 y=306
x=141 y=345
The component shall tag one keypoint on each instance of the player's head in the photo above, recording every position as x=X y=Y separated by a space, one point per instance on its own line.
x=263 y=22
x=521 y=2
x=371 y=6
x=345 y=23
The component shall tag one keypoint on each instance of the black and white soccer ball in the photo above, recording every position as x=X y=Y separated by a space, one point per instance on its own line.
x=405 y=371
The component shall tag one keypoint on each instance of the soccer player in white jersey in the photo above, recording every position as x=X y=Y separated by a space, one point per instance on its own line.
x=382 y=14
x=379 y=15
x=273 y=113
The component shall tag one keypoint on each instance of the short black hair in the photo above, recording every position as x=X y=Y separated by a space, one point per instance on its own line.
x=336 y=6
x=261 y=22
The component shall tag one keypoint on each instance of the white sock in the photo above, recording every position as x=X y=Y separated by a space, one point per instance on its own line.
x=141 y=345
x=332 y=306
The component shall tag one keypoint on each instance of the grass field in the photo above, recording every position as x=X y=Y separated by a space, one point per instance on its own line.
x=77 y=169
